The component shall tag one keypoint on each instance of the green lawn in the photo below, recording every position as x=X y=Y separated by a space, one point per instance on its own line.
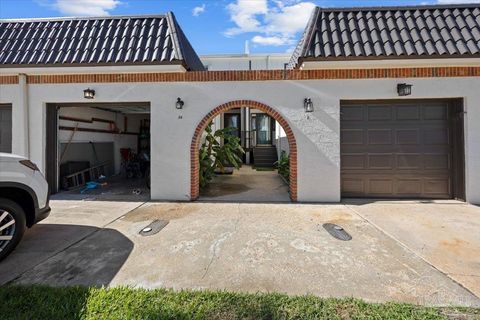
x=39 y=302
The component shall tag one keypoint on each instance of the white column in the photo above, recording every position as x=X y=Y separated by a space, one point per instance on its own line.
x=20 y=120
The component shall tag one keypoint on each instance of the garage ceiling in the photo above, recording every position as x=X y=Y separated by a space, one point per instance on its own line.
x=125 y=108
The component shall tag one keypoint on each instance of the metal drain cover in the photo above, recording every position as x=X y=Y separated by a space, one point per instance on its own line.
x=337 y=231
x=154 y=227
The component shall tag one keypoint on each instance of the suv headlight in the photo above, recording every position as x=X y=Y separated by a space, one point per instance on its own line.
x=30 y=164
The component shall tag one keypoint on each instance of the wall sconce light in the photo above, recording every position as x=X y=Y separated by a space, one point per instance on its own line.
x=404 y=89
x=179 y=104
x=89 y=93
x=308 y=105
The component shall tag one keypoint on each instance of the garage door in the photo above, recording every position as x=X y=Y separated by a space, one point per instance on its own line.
x=5 y=128
x=396 y=150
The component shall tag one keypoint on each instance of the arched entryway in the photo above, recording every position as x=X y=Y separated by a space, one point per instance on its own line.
x=194 y=148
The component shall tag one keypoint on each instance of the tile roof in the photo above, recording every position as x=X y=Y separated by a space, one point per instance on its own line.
x=390 y=32
x=123 y=40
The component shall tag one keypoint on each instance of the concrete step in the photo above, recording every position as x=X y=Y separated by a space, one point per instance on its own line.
x=265 y=156
x=264 y=165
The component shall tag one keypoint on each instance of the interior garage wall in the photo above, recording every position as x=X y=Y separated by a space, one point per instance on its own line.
x=317 y=135
x=83 y=151
x=80 y=144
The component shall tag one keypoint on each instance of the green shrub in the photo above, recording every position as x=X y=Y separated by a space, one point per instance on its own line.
x=283 y=166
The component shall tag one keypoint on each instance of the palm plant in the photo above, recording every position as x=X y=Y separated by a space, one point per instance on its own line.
x=213 y=154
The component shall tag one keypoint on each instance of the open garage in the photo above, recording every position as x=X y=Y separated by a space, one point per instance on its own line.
x=98 y=148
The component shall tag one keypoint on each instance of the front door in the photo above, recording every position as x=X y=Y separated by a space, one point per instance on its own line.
x=264 y=129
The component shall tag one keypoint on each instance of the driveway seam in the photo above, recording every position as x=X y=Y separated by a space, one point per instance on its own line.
x=408 y=248
x=71 y=245
x=217 y=241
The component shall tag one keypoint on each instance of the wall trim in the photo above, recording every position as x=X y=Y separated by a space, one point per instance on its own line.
x=196 y=139
x=254 y=75
x=9 y=80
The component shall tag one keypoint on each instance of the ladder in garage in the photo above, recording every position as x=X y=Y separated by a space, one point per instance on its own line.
x=80 y=178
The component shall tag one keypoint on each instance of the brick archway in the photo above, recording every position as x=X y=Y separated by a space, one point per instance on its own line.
x=194 y=148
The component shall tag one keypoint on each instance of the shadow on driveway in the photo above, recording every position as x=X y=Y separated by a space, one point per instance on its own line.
x=94 y=256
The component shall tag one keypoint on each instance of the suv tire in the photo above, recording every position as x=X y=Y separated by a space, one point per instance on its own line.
x=10 y=210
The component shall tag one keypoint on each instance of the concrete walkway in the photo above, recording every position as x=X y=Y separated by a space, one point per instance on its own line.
x=244 y=247
x=444 y=233
x=247 y=185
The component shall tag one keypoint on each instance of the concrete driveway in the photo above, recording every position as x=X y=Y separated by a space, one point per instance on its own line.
x=246 y=185
x=260 y=247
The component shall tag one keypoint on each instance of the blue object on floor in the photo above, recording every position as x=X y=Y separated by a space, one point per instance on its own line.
x=90 y=186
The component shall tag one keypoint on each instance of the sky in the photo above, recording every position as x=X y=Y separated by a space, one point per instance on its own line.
x=212 y=26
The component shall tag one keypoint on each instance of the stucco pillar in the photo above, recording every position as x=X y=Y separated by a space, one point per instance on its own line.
x=20 y=119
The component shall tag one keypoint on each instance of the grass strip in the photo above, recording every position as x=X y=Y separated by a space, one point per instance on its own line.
x=42 y=302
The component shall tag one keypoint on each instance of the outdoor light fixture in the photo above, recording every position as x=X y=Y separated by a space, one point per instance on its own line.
x=308 y=105
x=179 y=104
x=404 y=89
x=89 y=93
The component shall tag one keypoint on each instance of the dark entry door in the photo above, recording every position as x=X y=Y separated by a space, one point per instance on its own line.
x=396 y=150
x=264 y=129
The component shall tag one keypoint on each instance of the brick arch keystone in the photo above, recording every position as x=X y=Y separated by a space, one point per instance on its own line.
x=194 y=148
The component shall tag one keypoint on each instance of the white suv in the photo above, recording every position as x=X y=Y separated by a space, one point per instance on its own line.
x=24 y=199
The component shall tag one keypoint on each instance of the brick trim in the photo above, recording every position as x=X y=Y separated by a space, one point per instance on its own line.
x=195 y=145
x=254 y=75
x=8 y=79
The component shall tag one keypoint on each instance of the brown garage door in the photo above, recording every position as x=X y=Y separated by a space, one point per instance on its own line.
x=396 y=150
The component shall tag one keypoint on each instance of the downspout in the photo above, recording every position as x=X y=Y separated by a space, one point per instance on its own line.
x=23 y=88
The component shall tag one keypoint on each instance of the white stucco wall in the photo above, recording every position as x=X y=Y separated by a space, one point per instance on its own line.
x=245 y=61
x=317 y=135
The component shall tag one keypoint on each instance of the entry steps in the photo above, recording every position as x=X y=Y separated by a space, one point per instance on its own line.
x=264 y=156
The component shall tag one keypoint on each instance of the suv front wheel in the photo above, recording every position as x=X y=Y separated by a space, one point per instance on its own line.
x=12 y=226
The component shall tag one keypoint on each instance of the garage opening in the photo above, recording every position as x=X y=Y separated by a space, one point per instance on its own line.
x=267 y=170
x=402 y=149
x=99 y=150
x=6 y=128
